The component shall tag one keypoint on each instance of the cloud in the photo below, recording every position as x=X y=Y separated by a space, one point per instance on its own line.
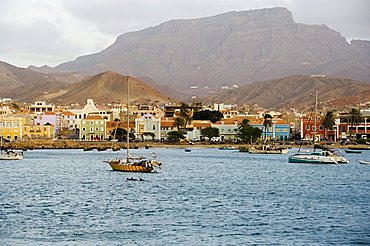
x=54 y=31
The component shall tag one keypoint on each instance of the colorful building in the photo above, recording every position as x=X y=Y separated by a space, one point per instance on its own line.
x=93 y=128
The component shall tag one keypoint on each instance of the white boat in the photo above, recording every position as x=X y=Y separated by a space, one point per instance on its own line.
x=11 y=155
x=364 y=162
x=322 y=157
x=268 y=149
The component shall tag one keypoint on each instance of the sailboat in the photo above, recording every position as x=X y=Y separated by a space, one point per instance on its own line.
x=6 y=154
x=321 y=157
x=131 y=163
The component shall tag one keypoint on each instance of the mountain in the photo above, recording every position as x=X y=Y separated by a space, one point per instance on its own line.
x=164 y=89
x=106 y=87
x=231 y=48
x=297 y=91
x=26 y=84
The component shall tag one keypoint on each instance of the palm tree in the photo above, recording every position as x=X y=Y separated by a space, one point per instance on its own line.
x=354 y=118
x=267 y=122
x=185 y=113
x=178 y=122
x=328 y=122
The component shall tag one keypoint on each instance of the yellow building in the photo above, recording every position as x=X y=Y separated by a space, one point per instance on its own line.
x=11 y=126
x=46 y=131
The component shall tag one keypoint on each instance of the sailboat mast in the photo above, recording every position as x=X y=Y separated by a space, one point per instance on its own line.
x=128 y=121
x=315 y=115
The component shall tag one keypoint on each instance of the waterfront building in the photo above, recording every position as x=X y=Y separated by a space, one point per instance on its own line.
x=11 y=127
x=166 y=127
x=308 y=127
x=194 y=132
x=46 y=131
x=148 y=124
x=228 y=129
x=67 y=120
x=93 y=128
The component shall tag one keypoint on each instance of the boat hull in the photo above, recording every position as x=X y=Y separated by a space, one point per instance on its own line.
x=116 y=166
x=311 y=160
x=273 y=151
x=364 y=162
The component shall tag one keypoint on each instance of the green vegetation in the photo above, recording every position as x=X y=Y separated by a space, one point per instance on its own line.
x=354 y=118
x=175 y=136
x=328 y=122
x=210 y=132
x=267 y=122
x=246 y=132
x=213 y=116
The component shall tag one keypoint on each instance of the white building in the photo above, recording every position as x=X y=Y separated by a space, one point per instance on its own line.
x=148 y=124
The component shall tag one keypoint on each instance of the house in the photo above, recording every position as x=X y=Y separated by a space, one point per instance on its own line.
x=93 y=128
x=228 y=129
x=40 y=107
x=67 y=120
x=196 y=126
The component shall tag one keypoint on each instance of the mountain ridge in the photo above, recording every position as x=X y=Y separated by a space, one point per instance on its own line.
x=230 y=48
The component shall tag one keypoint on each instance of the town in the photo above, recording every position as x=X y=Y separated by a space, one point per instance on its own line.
x=179 y=122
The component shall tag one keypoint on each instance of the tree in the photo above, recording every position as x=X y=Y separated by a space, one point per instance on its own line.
x=210 y=132
x=179 y=122
x=175 y=136
x=185 y=113
x=212 y=116
x=245 y=123
x=354 y=118
x=267 y=122
x=328 y=122
x=247 y=132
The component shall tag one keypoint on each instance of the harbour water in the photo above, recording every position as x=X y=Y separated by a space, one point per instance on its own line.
x=202 y=197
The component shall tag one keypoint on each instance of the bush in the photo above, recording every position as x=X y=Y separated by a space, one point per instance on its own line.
x=361 y=141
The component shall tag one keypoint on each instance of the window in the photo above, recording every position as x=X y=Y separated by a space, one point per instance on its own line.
x=321 y=128
x=307 y=128
x=83 y=129
x=153 y=127
x=96 y=128
x=91 y=129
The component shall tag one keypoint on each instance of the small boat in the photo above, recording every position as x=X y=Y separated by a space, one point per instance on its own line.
x=227 y=148
x=364 y=162
x=268 y=149
x=243 y=149
x=354 y=151
x=187 y=150
x=11 y=155
x=323 y=157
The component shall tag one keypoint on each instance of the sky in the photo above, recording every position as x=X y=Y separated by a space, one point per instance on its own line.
x=50 y=32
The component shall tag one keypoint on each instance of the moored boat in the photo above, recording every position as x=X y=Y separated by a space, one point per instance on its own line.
x=11 y=155
x=364 y=162
x=354 y=151
x=322 y=157
x=133 y=164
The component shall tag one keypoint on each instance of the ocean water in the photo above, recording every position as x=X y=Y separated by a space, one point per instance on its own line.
x=202 y=197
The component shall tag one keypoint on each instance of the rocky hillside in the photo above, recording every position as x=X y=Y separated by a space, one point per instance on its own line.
x=106 y=87
x=231 y=48
x=296 y=91
x=24 y=84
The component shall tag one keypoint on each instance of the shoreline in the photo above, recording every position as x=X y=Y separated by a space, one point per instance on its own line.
x=103 y=145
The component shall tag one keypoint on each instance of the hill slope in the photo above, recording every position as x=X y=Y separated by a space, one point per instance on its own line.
x=107 y=87
x=231 y=48
x=296 y=91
